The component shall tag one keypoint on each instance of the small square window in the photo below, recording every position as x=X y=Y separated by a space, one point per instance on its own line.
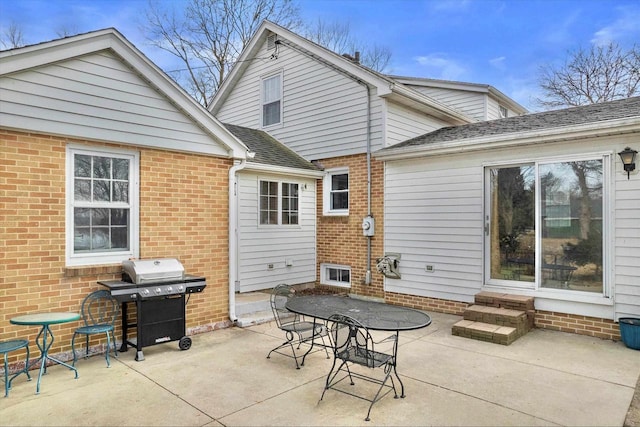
x=504 y=112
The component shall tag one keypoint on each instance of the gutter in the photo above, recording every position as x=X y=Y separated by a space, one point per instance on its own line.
x=233 y=236
x=545 y=135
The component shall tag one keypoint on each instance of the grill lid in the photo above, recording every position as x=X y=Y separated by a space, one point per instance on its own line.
x=160 y=270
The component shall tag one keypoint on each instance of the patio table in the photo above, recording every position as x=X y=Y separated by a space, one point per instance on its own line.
x=45 y=338
x=372 y=315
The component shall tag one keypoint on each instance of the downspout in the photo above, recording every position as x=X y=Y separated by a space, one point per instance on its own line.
x=233 y=237
x=367 y=277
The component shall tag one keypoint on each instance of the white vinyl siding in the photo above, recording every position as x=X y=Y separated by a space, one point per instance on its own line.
x=324 y=111
x=627 y=237
x=493 y=110
x=403 y=123
x=469 y=103
x=98 y=97
x=265 y=251
x=434 y=216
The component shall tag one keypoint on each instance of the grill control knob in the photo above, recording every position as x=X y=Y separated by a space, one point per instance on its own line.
x=180 y=288
x=158 y=290
x=145 y=291
x=169 y=289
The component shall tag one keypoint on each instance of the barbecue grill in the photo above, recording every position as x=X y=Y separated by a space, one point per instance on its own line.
x=158 y=288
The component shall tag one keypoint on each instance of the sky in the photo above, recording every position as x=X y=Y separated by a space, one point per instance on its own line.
x=502 y=43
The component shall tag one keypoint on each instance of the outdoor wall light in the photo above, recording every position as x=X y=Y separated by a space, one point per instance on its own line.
x=628 y=160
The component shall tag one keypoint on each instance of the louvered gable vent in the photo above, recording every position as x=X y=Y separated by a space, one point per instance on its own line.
x=271 y=41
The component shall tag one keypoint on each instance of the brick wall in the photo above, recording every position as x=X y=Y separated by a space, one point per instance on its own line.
x=575 y=324
x=183 y=214
x=339 y=238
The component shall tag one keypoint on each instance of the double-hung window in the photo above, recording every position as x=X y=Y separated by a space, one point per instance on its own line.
x=546 y=224
x=272 y=100
x=279 y=203
x=102 y=205
x=336 y=192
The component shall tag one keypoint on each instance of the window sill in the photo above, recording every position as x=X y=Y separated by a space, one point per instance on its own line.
x=92 y=270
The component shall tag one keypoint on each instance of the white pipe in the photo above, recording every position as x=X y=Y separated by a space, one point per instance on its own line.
x=233 y=237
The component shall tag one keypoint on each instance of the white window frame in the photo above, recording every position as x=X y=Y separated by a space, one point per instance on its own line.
x=607 y=231
x=279 y=196
x=503 y=111
x=106 y=257
x=324 y=275
x=327 y=191
x=263 y=102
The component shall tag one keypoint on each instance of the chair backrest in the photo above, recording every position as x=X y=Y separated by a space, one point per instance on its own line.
x=351 y=340
x=100 y=308
x=279 y=297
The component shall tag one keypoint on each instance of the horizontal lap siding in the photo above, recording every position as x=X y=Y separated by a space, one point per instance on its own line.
x=98 y=97
x=627 y=243
x=324 y=111
x=403 y=124
x=433 y=216
x=263 y=245
x=470 y=103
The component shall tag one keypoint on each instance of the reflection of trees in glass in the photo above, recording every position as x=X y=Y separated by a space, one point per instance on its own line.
x=589 y=176
x=515 y=202
x=586 y=251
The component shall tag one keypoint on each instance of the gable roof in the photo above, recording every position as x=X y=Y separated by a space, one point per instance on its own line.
x=268 y=151
x=385 y=86
x=18 y=60
x=615 y=117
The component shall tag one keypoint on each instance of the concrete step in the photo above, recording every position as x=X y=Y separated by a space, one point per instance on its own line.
x=498 y=316
x=481 y=331
x=254 y=318
x=252 y=302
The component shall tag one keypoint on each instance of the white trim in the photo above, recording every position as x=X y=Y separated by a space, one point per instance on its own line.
x=263 y=79
x=324 y=279
x=280 y=182
x=98 y=258
x=607 y=242
x=326 y=192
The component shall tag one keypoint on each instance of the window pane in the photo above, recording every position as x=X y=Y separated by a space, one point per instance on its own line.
x=101 y=191
x=512 y=223
x=119 y=217
x=82 y=217
x=82 y=190
x=340 y=182
x=121 y=169
x=571 y=219
x=121 y=192
x=99 y=217
x=82 y=166
x=82 y=239
x=340 y=201
x=119 y=238
x=102 y=167
x=271 y=113
x=100 y=238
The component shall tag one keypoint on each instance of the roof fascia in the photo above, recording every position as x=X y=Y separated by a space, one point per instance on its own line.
x=261 y=167
x=110 y=39
x=567 y=133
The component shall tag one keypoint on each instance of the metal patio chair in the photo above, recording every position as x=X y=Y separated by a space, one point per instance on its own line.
x=99 y=313
x=353 y=345
x=297 y=330
x=5 y=348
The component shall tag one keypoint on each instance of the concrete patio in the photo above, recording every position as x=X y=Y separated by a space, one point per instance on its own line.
x=544 y=378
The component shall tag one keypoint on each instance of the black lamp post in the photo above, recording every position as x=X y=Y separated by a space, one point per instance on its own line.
x=628 y=160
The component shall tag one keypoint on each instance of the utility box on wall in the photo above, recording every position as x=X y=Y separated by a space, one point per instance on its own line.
x=368 y=226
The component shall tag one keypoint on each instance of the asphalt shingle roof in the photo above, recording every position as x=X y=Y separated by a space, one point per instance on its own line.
x=269 y=151
x=593 y=113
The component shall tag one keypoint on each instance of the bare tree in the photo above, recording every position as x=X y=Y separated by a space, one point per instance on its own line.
x=600 y=74
x=336 y=36
x=209 y=35
x=12 y=37
x=67 y=30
